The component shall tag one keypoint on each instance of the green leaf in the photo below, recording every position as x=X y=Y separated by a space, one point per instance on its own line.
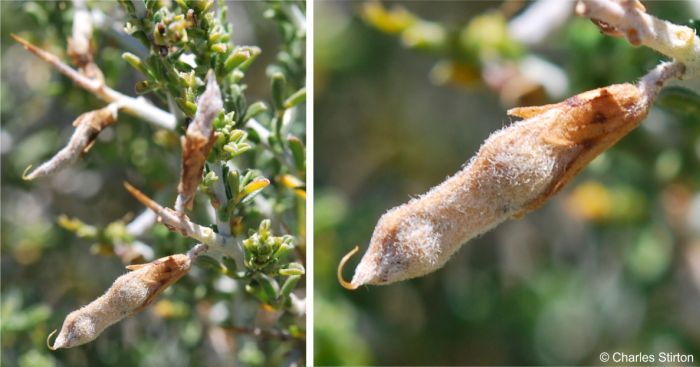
x=289 y=285
x=298 y=152
x=254 y=110
x=278 y=86
x=233 y=183
x=189 y=108
x=241 y=58
x=296 y=98
x=292 y=269
x=257 y=291
x=269 y=286
x=134 y=61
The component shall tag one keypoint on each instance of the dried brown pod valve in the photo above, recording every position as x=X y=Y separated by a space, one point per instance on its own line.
x=198 y=142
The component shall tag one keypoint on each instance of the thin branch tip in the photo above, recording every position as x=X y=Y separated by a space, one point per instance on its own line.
x=20 y=40
x=39 y=52
x=141 y=197
x=16 y=37
x=347 y=285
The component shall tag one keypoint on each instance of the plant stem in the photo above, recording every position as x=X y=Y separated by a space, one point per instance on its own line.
x=217 y=244
x=220 y=193
x=137 y=107
x=628 y=19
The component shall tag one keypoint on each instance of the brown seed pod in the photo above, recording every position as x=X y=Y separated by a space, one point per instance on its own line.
x=87 y=127
x=197 y=143
x=128 y=295
x=515 y=171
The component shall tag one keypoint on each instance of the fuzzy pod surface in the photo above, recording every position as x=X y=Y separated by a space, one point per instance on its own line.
x=514 y=172
x=87 y=127
x=128 y=295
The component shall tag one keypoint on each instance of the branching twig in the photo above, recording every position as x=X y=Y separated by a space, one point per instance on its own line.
x=137 y=107
x=629 y=19
x=179 y=222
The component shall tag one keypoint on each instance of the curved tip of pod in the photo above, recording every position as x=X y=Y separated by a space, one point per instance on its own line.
x=26 y=175
x=343 y=261
x=48 y=340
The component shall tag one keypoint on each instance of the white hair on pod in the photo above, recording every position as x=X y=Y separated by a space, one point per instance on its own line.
x=515 y=171
x=128 y=295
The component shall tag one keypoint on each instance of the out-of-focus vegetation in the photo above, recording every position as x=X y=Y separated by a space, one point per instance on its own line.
x=612 y=263
x=65 y=237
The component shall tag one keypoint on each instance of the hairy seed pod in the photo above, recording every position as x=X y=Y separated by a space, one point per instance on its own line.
x=197 y=143
x=515 y=171
x=128 y=295
x=87 y=127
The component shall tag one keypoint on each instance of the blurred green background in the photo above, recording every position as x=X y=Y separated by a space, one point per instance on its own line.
x=612 y=263
x=48 y=271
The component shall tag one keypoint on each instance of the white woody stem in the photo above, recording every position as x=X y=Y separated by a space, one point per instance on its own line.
x=627 y=18
x=656 y=78
x=217 y=244
x=137 y=107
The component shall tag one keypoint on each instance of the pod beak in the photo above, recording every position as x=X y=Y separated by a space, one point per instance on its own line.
x=343 y=282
